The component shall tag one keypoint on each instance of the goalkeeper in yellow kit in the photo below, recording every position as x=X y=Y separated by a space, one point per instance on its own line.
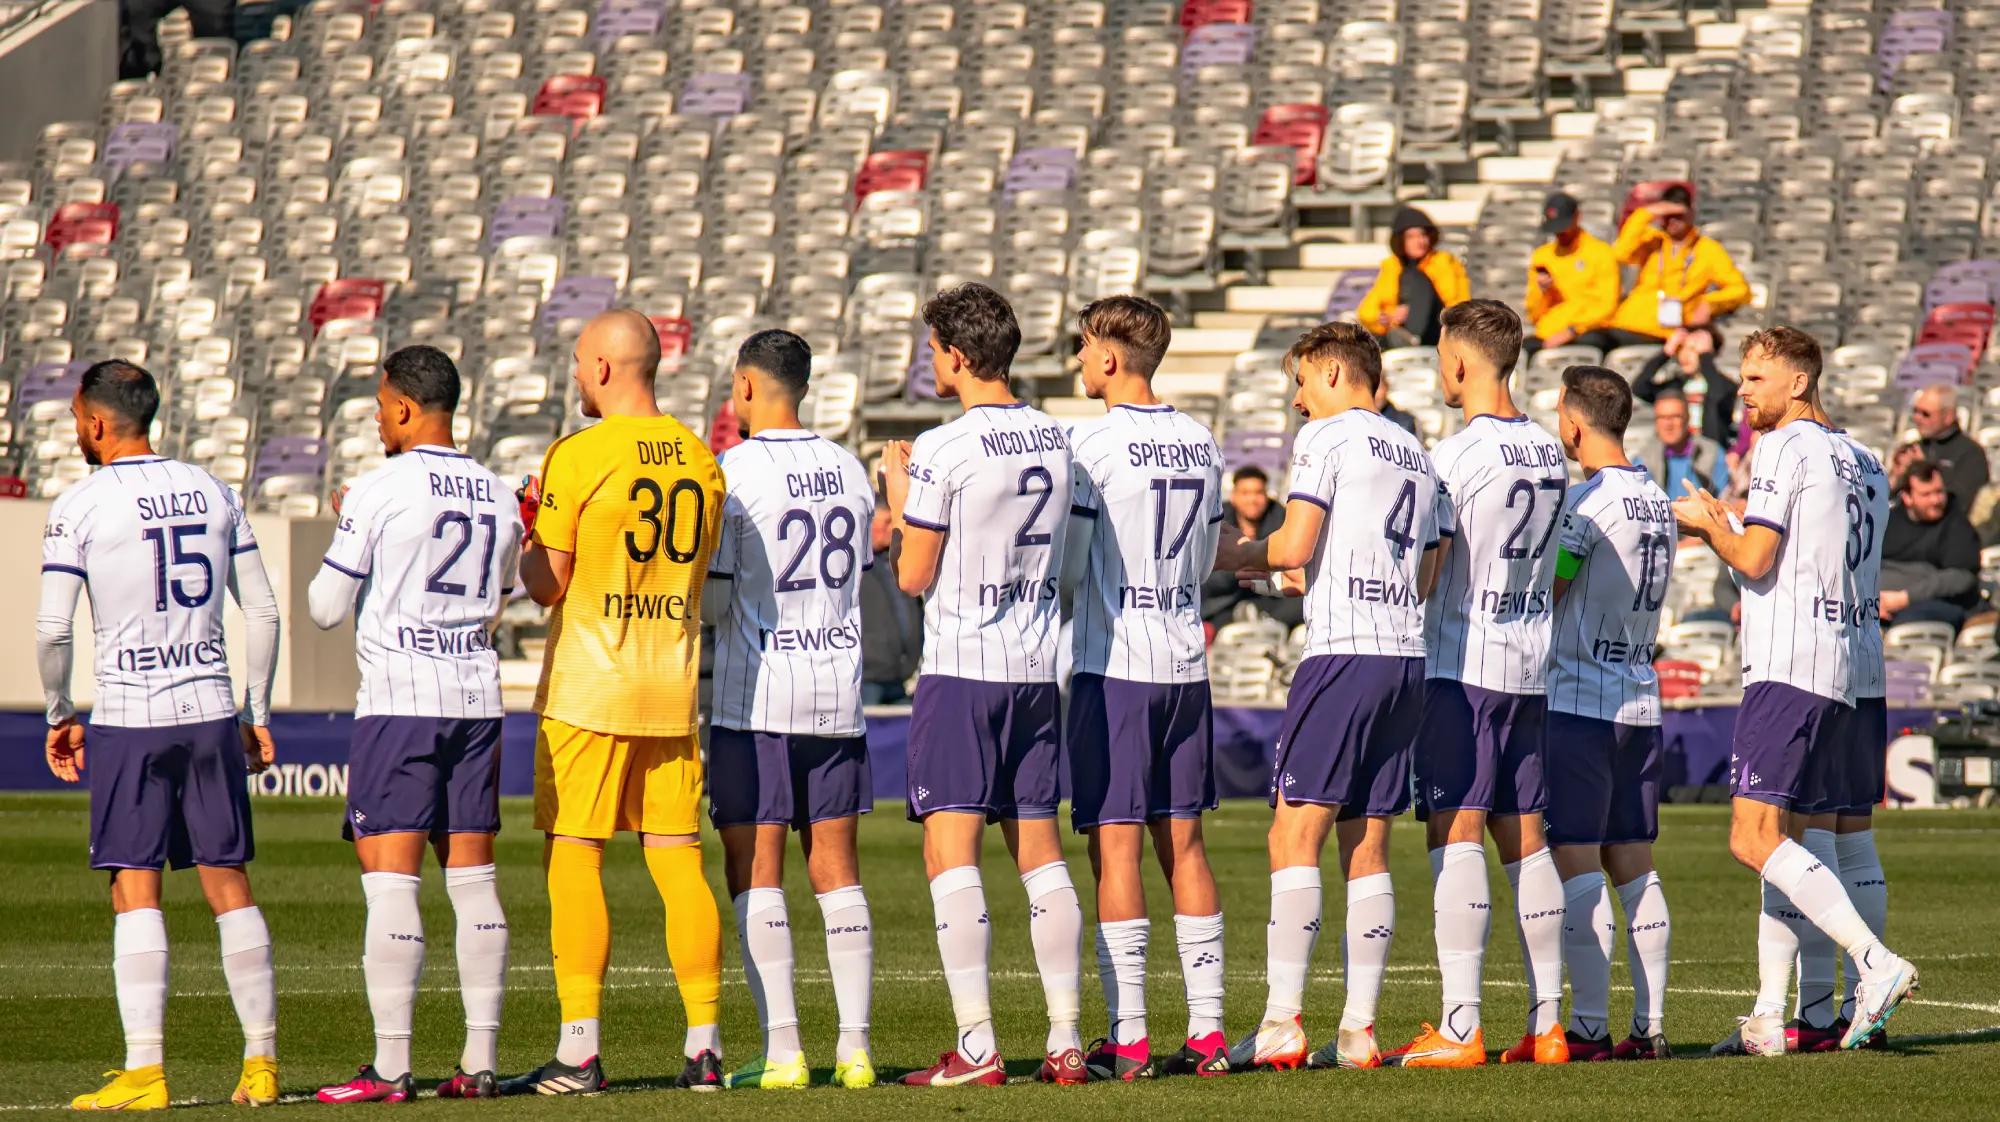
x=629 y=512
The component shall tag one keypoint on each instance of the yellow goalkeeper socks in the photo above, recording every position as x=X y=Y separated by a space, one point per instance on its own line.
x=694 y=929
x=579 y=927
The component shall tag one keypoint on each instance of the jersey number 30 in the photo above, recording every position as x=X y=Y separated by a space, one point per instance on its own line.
x=663 y=531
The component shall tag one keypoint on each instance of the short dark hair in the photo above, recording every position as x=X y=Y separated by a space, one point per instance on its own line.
x=1350 y=344
x=1920 y=471
x=124 y=390
x=1488 y=327
x=980 y=324
x=425 y=375
x=1250 y=471
x=784 y=356
x=1677 y=193
x=1139 y=327
x=1669 y=393
x=1603 y=398
x=1787 y=345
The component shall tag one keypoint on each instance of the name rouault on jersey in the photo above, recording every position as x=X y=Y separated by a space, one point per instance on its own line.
x=1176 y=454
x=1023 y=442
x=809 y=638
x=1399 y=455
x=206 y=652
x=645 y=605
x=1158 y=598
x=173 y=504
x=447 y=486
x=1017 y=592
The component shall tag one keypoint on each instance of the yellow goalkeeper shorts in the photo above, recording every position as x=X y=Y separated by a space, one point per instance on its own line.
x=595 y=784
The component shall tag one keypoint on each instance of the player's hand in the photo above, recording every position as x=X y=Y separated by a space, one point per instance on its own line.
x=65 y=750
x=1893 y=603
x=896 y=474
x=1698 y=512
x=1397 y=316
x=258 y=750
x=529 y=496
x=1229 y=550
x=339 y=494
x=1289 y=582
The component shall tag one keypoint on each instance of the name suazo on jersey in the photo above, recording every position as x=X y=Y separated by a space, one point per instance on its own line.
x=1803 y=620
x=1869 y=676
x=1620 y=528
x=794 y=542
x=435 y=539
x=997 y=480
x=1383 y=508
x=1150 y=480
x=154 y=541
x=1488 y=621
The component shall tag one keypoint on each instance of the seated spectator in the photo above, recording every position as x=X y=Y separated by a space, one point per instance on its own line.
x=1958 y=456
x=1250 y=510
x=1694 y=359
x=1678 y=455
x=1685 y=279
x=1930 y=553
x=892 y=622
x=1417 y=282
x=1572 y=279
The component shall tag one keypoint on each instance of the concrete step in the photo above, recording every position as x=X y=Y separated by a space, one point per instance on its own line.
x=1339 y=256
x=1274 y=299
x=1203 y=340
x=1538 y=170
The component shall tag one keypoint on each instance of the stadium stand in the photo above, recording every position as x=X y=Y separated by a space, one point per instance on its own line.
x=259 y=225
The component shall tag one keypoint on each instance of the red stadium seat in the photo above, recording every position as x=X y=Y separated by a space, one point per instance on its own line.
x=1678 y=678
x=576 y=96
x=82 y=224
x=1299 y=127
x=902 y=169
x=1649 y=192
x=1967 y=324
x=676 y=336
x=1949 y=348
x=725 y=432
x=1200 y=13
x=13 y=487
x=346 y=298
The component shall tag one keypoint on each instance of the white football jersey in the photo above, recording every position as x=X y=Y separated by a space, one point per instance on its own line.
x=997 y=482
x=1870 y=676
x=153 y=540
x=1383 y=505
x=435 y=539
x=1488 y=620
x=1620 y=525
x=1150 y=480
x=1803 y=621
x=794 y=543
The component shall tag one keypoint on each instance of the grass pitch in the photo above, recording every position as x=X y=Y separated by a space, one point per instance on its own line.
x=59 y=1022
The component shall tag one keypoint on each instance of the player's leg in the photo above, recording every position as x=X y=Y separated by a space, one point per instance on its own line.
x=833 y=867
x=1123 y=931
x=663 y=802
x=215 y=813
x=1368 y=935
x=1520 y=798
x=953 y=754
x=1296 y=839
x=1818 y=958
x=1025 y=796
x=1854 y=838
x=1579 y=754
x=132 y=813
x=751 y=804
x=1648 y=943
x=463 y=839
x=1183 y=857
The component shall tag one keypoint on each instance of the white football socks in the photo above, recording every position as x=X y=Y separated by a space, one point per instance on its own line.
x=850 y=958
x=392 y=959
x=1364 y=946
x=1288 y=942
x=1819 y=896
x=1587 y=939
x=1199 y=940
x=1649 y=939
x=1818 y=957
x=1868 y=889
x=1538 y=921
x=765 y=930
x=1055 y=926
x=139 y=963
x=965 y=945
x=253 y=981
x=1121 y=970
x=482 y=962
x=1462 y=906
x=1777 y=949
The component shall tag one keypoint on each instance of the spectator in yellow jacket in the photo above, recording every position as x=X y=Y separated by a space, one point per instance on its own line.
x=1572 y=279
x=1417 y=282
x=1685 y=279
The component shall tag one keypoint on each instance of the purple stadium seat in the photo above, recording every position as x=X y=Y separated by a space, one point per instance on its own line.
x=49 y=381
x=1267 y=450
x=579 y=298
x=1040 y=169
x=626 y=18
x=1348 y=292
x=1956 y=282
x=715 y=95
x=1218 y=44
x=920 y=380
x=1908 y=682
x=525 y=216
x=288 y=455
x=131 y=143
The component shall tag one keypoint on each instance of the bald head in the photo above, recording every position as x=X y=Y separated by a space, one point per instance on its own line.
x=616 y=358
x=1935 y=410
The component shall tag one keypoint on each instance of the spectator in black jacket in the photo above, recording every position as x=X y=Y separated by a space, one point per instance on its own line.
x=1251 y=511
x=892 y=623
x=1963 y=461
x=1930 y=553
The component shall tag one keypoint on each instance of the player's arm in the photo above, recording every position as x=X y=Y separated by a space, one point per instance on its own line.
x=1749 y=547
x=551 y=557
x=1429 y=567
x=1290 y=546
x=55 y=653
x=345 y=567
x=718 y=589
x=251 y=587
x=921 y=528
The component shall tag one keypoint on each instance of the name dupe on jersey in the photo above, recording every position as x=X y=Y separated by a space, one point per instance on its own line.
x=661 y=453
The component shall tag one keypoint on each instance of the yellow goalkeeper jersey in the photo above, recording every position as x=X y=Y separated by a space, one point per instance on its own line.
x=638 y=502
